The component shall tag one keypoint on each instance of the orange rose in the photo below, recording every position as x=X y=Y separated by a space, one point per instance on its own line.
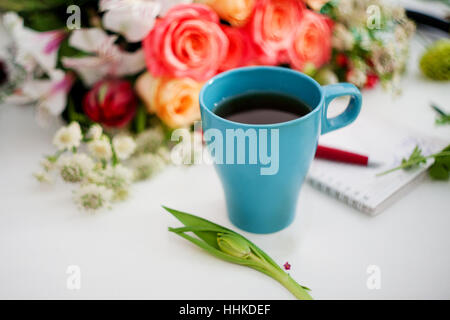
x=316 y=4
x=236 y=12
x=174 y=100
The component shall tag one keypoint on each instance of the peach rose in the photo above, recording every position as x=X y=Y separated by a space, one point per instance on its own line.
x=174 y=100
x=236 y=12
x=316 y=5
x=311 y=42
x=239 y=50
x=186 y=42
x=271 y=28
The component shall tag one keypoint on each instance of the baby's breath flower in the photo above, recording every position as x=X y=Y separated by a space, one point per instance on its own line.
x=357 y=77
x=118 y=179
x=43 y=177
x=75 y=168
x=124 y=146
x=146 y=165
x=384 y=60
x=149 y=140
x=342 y=38
x=100 y=148
x=95 y=132
x=93 y=197
x=68 y=137
x=189 y=151
x=47 y=165
x=164 y=153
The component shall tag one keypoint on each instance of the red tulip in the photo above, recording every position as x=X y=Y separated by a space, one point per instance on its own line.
x=111 y=102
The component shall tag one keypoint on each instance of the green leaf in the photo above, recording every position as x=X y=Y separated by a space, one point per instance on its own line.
x=192 y=221
x=44 y=20
x=443 y=118
x=415 y=159
x=201 y=224
x=438 y=172
x=209 y=234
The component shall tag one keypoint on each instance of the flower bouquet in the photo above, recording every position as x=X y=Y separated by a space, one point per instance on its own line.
x=125 y=74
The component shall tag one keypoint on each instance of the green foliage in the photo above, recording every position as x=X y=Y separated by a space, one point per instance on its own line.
x=230 y=246
x=415 y=159
x=443 y=118
x=34 y=5
x=435 y=63
x=329 y=7
x=44 y=20
x=440 y=170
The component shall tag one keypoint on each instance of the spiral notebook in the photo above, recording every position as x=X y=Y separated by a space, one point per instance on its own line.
x=359 y=186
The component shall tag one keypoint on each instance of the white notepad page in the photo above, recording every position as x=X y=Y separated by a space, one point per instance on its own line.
x=384 y=141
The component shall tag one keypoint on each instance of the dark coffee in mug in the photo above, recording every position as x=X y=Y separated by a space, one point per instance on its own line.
x=261 y=107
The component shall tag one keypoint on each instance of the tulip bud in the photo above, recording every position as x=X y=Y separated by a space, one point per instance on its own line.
x=111 y=102
x=233 y=245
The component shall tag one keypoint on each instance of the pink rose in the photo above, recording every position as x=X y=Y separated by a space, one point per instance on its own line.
x=186 y=42
x=271 y=28
x=240 y=52
x=311 y=42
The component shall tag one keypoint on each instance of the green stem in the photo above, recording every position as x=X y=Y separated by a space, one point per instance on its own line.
x=283 y=278
x=411 y=163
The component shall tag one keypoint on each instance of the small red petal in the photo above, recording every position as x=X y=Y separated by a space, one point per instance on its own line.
x=287 y=266
x=372 y=80
x=342 y=60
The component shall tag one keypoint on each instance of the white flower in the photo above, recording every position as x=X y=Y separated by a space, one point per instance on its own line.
x=357 y=77
x=134 y=18
x=100 y=148
x=342 y=38
x=107 y=59
x=12 y=75
x=117 y=178
x=47 y=165
x=50 y=95
x=75 y=168
x=131 y=18
x=149 y=140
x=93 y=197
x=35 y=55
x=164 y=153
x=95 y=132
x=43 y=177
x=68 y=137
x=36 y=49
x=147 y=165
x=124 y=146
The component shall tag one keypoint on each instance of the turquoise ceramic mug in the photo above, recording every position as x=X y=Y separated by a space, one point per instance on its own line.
x=263 y=172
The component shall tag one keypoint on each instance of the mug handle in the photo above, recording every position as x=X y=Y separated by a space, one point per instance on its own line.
x=350 y=113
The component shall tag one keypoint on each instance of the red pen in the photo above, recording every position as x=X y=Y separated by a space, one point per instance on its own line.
x=338 y=155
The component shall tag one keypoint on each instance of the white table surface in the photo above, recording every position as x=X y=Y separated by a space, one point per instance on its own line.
x=127 y=252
